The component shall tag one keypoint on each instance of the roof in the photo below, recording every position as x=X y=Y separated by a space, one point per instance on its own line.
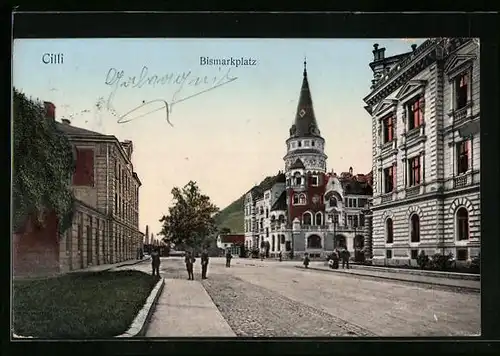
x=232 y=238
x=298 y=164
x=280 y=203
x=268 y=182
x=358 y=185
x=77 y=131
x=305 y=121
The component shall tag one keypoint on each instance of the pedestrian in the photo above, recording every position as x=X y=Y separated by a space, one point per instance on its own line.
x=155 y=262
x=306 y=261
x=345 y=258
x=204 y=264
x=189 y=260
x=335 y=258
x=228 y=258
x=280 y=255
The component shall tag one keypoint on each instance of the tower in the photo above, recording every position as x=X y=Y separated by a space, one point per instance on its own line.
x=305 y=163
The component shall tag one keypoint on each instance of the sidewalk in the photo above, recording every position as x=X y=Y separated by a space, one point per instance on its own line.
x=109 y=266
x=456 y=283
x=185 y=309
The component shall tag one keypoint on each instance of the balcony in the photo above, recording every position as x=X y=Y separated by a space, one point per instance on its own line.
x=298 y=187
x=412 y=191
x=388 y=148
x=386 y=198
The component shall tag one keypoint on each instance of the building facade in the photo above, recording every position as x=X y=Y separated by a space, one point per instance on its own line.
x=231 y=242
x=292 y=212
x=425 y=112
x=105 y=226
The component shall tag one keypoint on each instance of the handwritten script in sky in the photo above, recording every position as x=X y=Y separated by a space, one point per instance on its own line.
x=118 y=80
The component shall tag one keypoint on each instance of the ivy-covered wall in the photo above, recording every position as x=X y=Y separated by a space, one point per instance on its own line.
x=43 y=164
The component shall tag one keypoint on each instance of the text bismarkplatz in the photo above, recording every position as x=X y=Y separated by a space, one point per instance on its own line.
x=230 y=61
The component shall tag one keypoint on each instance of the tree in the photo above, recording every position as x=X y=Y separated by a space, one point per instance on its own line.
x=190 y=221
x=42 y=167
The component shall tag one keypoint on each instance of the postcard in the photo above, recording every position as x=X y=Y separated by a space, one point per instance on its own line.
x=246 y=187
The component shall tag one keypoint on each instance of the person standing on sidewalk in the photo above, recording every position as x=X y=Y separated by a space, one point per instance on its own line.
x=345 y=258
x=306 y=261
x=280 y=254
x=228 y=258
x=155 y=262
x=189 y=260
x=204 y=264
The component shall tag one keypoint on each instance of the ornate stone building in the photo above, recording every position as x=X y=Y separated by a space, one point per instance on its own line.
x=425 y=112
x=106 y=222
x=292 y=212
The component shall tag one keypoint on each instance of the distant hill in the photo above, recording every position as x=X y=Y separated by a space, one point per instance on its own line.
x=232 y=216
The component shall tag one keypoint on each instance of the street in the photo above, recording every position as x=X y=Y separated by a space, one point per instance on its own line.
x=272 y=299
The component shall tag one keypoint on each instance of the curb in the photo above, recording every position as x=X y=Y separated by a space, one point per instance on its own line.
x=471 y=289
x=127 y=264
x=138 y=326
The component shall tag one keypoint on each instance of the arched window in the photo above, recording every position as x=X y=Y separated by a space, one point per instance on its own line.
x=295 y=199
x=281 y=219
x=314 y=241
x=297 y=178
x=333 y=201
x=415 y=228
x=302 y=199
x=307 y=218
x=319 y=219
x=389 y=235
x=462 y=224
x=273 y=244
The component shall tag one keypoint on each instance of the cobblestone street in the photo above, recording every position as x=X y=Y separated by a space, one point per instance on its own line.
x=268 y=298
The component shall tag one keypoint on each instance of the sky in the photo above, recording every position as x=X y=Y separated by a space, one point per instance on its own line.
x=227 y=139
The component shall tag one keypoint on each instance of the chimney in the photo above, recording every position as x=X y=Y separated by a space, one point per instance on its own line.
x=50 y=110
x=350 y=171
x=378 y=53
x=66 y=121
x=413 y=47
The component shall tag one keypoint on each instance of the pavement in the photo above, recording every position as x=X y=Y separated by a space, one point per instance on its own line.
x=109 y=266
x=185 y=309
x=438 y=281
x=272 y=298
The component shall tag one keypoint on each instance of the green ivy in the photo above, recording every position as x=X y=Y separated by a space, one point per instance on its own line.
x=43 y=164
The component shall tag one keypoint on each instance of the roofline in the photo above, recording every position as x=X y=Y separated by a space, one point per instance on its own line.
x=389 y=59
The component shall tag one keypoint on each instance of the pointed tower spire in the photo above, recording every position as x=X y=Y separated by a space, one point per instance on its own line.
x=305 y=121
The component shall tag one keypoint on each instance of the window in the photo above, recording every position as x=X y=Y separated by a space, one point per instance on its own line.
x=293 y=144
x=414 y=254
x=273 y=244
x=415 y=228
x=415 y=113
x=388 y=254
x=414 y=171
x=261 y=223
x=389 y=179
x=261 y=211
x=462 y=254
x=267 y=195
x=116 y=203
x=314 y=181
x=295 y=199
x=355 y=221
x=307 y=218
x=267 y=232
x=461 y=91
x=313 y=143
x=84 y=170
x=298 y=180
x=288 y=182
x=335 y=219
x=361 y=220
x=306 y=143
x=299 y=144
x=302 y=199
x=462 y=224
x=333 y=201
x=389 y=234
x=319 y=219
x=463 y=153
x=349 y=220
x=267 y=213
x=388 y=128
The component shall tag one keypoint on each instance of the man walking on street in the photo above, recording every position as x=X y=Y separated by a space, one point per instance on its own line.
x=204 y=264
x=228 y=258
x=189 y=261
x=280 y=256
x=155 y=262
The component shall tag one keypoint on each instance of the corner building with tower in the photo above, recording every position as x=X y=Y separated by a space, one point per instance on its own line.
x=306 y=209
